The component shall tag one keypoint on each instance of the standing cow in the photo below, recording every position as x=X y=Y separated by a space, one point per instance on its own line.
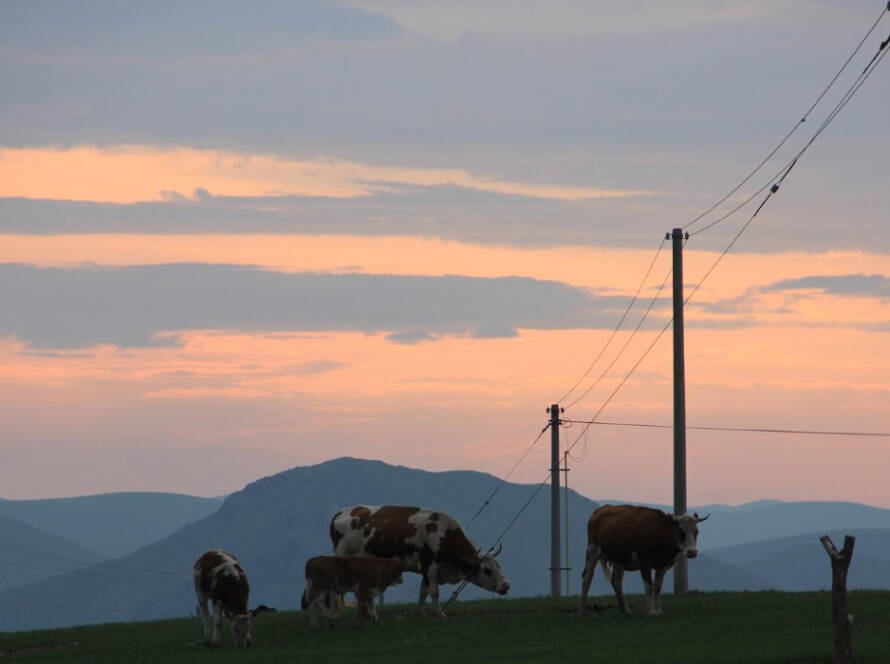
x=221 y=579
x=328 y=577
x=430 y=543
x=626 y=537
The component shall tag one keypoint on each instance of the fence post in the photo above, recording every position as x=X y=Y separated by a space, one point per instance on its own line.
x=840 y=564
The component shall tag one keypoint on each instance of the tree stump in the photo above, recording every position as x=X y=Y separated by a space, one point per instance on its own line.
x=840 y=564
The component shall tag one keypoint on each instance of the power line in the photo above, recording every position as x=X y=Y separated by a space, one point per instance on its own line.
x=797 y=125
x=617 y=327
x=839 y=106
x=798 y=432
x=507 y=476
x=629 y=339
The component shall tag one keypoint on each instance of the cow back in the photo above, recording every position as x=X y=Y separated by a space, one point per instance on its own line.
x=412 y=534
x=628 y=533
x=220 y=577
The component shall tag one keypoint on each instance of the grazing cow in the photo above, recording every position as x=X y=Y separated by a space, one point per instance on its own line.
x=328 y=577
x=221 y=579
x=626 y=537
x=430 y=543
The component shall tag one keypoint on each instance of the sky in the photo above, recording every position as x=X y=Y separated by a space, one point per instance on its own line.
x=239 y=238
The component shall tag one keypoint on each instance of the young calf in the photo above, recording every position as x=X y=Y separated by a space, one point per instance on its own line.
x=328 y=577
x=221 y=579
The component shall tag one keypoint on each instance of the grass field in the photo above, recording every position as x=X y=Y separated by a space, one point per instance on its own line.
x=707 y=628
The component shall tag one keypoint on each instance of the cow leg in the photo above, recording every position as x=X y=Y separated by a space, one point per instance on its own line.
x=217 y=622
x=433 y=588
x=659 y=579
x=617 y=580
x=312 y=598
x=331 y=599
x=593 y=554
x=424 y=590
x=205 y=617
x=649 y=587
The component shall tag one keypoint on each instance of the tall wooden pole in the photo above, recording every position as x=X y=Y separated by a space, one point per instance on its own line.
x=681 y=574
x=555 y=563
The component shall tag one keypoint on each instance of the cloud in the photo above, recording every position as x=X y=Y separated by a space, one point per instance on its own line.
x=145 y=306
x=409 y=338
x=858 y=285
x=179 y=29
x=494 y=332
x=532 y=19
x=319 y=367
x=137 y=173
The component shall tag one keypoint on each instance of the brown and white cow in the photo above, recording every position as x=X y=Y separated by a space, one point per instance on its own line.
x=628 y=538
x=221 y=580
x=428 y=542
x=328 y=577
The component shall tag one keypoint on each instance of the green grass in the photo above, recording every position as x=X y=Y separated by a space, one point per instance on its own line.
x=709 y=628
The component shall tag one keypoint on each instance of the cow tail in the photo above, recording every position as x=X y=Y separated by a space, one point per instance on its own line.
x=304 y=600
x=607 y=568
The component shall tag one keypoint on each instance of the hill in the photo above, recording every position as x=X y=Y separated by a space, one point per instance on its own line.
x=275 y=524
x=28 y=555
x=769 y=520
x=113 y=524
x=707 y=628
x=800 y=562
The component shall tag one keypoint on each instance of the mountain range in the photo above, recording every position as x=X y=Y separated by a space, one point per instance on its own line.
x=274 y=524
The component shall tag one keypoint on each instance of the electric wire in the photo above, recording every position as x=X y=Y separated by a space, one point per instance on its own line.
x=507 y=476
x=627 y=342
x=797 y=125
x=839 y=106
x=796 y=432
x=618 y=326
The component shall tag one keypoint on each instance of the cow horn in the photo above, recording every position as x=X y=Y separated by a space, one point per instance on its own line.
x=498 y=552
x=699 y=519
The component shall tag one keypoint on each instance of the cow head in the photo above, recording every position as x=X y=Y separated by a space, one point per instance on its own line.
x=489 y=575
x=241 y=629
x=687 y=534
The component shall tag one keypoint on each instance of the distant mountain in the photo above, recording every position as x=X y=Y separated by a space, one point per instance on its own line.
x=800 y=562
x=770 y=520
x=28 y=555
x=275 y=524
x=112 y=524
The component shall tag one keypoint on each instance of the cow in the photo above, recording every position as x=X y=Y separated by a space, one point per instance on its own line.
x=628 y=538
x=220 y=579
x=430 y=543
x=328 y=577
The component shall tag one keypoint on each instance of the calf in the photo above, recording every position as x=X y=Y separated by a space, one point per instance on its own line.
x=328 y=577
x=221 y=579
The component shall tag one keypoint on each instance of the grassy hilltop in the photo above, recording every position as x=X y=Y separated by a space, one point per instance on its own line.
x=706 y=628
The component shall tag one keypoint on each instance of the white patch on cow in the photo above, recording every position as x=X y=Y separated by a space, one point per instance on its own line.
x=689 y=525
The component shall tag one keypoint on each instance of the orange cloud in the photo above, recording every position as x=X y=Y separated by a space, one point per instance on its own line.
x=135 y=173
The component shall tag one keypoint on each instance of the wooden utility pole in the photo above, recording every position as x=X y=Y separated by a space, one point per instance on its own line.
x=840 y=564
x=681 y=574
x=555 y=566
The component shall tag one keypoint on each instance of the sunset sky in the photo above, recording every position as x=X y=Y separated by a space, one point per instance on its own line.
x=238 y=238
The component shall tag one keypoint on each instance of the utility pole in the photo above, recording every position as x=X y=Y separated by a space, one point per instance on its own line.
x=681 y=572
x=555 y=566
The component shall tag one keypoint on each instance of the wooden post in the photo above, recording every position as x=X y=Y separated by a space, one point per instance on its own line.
x=840 y=563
